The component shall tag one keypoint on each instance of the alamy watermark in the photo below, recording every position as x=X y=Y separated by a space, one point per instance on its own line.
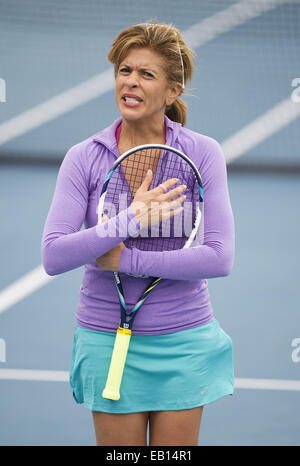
x=180 y=224
x=2 y=90
x=295 y=95
x=296 y=352
x=2 y=350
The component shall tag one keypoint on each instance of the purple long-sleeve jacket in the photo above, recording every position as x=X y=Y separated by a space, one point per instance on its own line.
x=181 y=300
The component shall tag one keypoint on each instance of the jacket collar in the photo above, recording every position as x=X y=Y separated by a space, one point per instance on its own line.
x=107 y=136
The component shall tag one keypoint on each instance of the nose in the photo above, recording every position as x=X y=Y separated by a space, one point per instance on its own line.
x=132 y=80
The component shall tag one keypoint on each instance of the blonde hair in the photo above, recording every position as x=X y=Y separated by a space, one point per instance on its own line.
x=166 y=40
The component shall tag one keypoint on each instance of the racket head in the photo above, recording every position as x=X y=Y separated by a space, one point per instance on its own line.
x=185 y=229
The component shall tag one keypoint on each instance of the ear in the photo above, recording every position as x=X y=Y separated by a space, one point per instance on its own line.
x=173 y=92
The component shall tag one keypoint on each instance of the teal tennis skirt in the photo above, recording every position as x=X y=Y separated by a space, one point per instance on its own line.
x=174 y=371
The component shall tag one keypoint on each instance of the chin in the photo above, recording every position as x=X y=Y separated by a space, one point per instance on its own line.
x=130 y=116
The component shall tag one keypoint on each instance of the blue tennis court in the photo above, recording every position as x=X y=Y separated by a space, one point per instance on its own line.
x=57 y=89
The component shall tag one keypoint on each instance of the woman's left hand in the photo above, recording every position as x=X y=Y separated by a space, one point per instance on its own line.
x=110 y=260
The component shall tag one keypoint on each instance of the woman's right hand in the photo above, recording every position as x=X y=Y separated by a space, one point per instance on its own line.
x=154 y=206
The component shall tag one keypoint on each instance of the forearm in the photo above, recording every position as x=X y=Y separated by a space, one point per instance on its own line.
x=62 y=252
x=185 y=264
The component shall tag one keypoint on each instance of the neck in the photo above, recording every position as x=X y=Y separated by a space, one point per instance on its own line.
x=137 y=133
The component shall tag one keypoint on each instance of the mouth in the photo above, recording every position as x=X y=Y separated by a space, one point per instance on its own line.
x=131 y=100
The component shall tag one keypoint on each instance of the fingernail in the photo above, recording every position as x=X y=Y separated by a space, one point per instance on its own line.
x=148 y=172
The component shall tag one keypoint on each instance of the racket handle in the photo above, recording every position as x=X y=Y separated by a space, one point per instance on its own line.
x=117 y=363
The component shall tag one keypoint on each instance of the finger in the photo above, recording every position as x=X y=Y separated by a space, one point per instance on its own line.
x=177 y=201
x=173 y=193
x=166 y=215
x=167 y=184
x=162 y=186
x=176 y=211
x=147 y=181
x=165 y=207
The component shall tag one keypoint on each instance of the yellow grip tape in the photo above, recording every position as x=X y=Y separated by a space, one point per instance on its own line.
x=114 y=378
x=124 y=331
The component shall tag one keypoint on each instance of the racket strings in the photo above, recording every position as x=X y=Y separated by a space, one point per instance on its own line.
x=136 y=166
x=169 y=234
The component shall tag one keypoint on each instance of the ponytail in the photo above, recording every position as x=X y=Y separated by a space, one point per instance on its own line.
x=177 y=111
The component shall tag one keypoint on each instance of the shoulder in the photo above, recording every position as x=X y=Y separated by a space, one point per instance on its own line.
x=198 y=145
x=83 y=161
x=84 y=151
x=96 y=145
x=206 y=153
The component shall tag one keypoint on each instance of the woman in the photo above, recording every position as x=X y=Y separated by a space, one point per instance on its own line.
x=179 y=357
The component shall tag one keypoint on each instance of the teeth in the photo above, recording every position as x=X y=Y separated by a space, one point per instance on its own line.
x=131 y=99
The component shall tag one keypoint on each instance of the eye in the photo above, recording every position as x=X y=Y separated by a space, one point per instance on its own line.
x=149 y=75
x=124 y=70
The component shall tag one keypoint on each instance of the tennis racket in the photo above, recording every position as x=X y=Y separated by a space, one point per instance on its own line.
x=183 y=230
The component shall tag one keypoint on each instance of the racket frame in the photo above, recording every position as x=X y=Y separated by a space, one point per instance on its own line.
x=124 y=331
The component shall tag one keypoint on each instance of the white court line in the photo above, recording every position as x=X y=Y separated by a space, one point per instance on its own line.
x=260 y=129
x=34 y=375
x=63 y=376
x=56 y=106
x=24 y=286
x=268 y=384
x=195 y=36
x=227 y=19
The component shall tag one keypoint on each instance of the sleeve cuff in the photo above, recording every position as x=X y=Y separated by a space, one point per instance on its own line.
x=121 y=226
x=125 y=264
x=133 y=224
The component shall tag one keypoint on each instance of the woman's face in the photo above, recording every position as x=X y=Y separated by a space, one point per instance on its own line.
x=142 y=90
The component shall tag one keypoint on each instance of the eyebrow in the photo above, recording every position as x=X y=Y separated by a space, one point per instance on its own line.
x=142 y=68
